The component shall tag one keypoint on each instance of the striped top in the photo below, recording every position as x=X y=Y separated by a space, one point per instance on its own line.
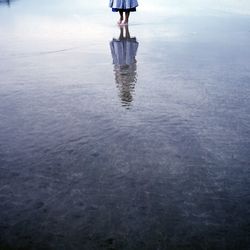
x=123 y=4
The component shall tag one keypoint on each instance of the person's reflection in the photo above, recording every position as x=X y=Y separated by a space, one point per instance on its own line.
x=123 y=52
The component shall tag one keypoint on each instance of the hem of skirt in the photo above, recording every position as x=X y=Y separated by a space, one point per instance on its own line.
x=131 y=10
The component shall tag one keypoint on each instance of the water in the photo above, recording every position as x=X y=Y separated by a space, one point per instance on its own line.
x=95 y=154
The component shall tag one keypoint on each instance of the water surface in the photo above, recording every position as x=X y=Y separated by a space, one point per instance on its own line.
x=115 y=140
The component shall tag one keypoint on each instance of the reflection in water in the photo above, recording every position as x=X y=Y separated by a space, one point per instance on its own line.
x=124 y=51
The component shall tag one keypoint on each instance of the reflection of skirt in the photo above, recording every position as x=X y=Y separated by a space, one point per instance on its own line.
x=131 y=10
x=124 y=51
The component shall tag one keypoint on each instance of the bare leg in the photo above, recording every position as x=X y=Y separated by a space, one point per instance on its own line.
x=121 y=17
x=125 y=22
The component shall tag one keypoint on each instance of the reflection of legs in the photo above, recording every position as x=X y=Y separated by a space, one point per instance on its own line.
x=121 y=17
x=121 y=37
x=127 y=35
x=122 y=30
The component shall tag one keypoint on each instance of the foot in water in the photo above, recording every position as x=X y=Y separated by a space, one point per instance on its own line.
x=120 y=21
x=125 y=22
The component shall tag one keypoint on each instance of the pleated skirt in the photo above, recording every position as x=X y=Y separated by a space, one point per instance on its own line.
x=126 y=5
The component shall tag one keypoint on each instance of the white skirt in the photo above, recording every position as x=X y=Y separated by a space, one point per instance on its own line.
x=123 y=4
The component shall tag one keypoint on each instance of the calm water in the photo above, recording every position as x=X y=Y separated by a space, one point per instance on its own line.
x=124 y=139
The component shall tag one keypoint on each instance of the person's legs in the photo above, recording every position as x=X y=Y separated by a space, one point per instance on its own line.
x=127 y=13
x=121 y=17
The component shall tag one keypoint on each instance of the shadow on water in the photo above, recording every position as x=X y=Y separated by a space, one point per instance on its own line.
x=123 y=52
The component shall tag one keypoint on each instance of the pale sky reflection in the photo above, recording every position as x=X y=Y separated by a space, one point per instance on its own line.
x=58 y=24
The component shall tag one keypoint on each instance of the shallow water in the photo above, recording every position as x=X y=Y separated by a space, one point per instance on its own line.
x=95 y=154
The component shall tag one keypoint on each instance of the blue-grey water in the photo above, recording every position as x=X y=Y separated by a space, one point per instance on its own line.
x=124 y=139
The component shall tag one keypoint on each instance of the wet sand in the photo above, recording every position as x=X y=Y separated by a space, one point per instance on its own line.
x=124 y=139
